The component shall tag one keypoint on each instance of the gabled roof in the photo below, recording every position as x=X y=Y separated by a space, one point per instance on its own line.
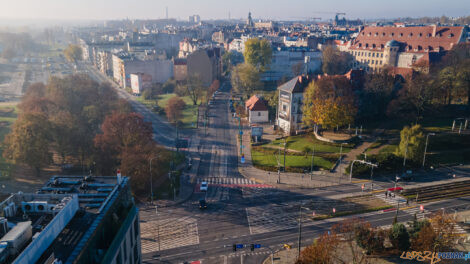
x=256 y=104
x=295 y=85
x=413 y=39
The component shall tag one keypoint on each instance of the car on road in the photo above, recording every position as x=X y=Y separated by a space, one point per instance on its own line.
x=202 y=204
x=204 y=186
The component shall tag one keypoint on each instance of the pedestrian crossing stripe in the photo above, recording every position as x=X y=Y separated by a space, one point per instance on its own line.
x=227 y=181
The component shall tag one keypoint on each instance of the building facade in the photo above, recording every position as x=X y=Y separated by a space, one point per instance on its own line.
x=257 y=110
x=206 y=64
x=289 y=113
x=403 y=47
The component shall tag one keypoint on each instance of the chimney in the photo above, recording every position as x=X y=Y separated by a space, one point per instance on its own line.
x=434 y=30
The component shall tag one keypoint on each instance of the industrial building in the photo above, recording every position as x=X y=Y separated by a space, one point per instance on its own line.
x=72 y=219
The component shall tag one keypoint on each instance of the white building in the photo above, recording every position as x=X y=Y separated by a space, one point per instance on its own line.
x=290 y=62
x=257 y=110
x=291 y=95
x=140 y=82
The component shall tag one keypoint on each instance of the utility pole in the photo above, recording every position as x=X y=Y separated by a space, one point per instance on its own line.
x=300 y=230
x=426 y=146
x=311 y=165
x=285 y=144
x=371 y=182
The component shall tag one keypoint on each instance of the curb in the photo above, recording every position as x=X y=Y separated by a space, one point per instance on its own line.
x=360 y=181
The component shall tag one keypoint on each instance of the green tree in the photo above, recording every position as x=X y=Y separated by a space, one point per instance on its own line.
x=29 y=142
x=245 y=79
x=230 y=59
x=335 y=62
x=330 y=102
x=258 y=53
x=399 y=237
x=73 y=53
x=412 y=143
x=376 y=95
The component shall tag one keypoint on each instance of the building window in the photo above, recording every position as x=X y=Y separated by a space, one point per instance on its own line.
x=284 y=107
x=401 y=34
x=368 y=55
x=381 y=55
x=420 y=34
x=380 y=62
x=373 y=54
x=259 y=113
x=381 y=46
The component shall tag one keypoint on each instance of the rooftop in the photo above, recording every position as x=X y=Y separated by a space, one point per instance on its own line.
x=60 y=218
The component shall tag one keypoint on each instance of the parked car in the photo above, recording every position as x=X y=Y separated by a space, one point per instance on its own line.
x=202 y=204
x=204 y=187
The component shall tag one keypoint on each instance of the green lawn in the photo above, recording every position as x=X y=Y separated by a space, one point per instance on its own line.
x=269 y=161
x=299 y=142
x=189 y=112
x=388 y=149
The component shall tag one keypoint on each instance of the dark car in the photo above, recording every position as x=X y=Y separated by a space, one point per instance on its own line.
x=202 y=204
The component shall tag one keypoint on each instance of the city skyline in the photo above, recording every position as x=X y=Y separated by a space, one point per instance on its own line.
x=211 y=9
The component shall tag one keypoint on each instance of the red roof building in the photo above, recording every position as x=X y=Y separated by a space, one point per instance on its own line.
x=403 y=47
x=257 y=110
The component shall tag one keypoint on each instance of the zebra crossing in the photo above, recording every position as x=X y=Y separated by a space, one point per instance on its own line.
x=398 y=200
x=275 y=217
x=162 y=234
x=232 y=182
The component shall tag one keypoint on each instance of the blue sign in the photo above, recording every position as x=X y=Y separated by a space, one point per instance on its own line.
x=240 y=245
x=243 y=160
x=241 y=132
x=257 y=245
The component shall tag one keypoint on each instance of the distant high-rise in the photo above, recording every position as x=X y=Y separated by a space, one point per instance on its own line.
x=195 y=19
x=249 y=21
x=167 y=12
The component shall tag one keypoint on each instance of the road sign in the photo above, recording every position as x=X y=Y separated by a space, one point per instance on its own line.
x=243 y=160
x=257 y=245
x=240 y=245
x=241 y=132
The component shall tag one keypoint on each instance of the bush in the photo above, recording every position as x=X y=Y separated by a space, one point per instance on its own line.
x=399 y=237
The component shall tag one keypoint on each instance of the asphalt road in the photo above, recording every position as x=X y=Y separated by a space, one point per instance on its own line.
x=239 y=211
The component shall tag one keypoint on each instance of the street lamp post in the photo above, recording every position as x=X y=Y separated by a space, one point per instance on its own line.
x=300 y=228
x=360 y=161
x=151 y=180
x=426 y=146
x=311 y=165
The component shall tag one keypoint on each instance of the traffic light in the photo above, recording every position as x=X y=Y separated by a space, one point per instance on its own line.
x=234 y=247
x=252 y=247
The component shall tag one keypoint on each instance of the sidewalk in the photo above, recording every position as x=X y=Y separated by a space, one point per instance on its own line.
x=188 y=178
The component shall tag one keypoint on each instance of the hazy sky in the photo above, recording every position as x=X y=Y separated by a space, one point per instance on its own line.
x=210 y=9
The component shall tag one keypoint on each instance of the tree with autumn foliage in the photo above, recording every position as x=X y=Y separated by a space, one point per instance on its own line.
x=437 y=235
x=29 y=141
x=126 y=143
x=329 y=102
x=321 y=251
x=174 y=109
x=73 y=109
x=214 y=87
